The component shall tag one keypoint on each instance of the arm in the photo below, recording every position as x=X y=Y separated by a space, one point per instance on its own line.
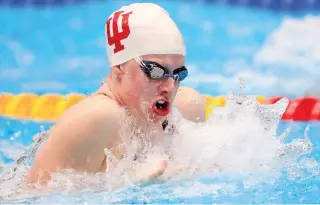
x=78 y=139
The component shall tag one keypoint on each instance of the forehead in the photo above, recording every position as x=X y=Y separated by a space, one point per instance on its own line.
x=169 y=61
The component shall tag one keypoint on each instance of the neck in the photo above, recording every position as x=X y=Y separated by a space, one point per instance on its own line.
x=107 y=88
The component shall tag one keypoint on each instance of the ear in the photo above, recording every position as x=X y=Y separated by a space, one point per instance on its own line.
x=117 y=71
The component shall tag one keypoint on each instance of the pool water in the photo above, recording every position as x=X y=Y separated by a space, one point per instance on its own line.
x=246 y=149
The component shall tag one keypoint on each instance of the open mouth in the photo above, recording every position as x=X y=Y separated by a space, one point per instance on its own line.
x=161 y=107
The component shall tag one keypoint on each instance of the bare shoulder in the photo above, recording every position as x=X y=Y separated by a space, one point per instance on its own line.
x=78 y=138
x=92 y=116
x=191 y=104
x=97 y=106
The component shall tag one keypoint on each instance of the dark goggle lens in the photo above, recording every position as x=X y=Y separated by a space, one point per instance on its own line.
x=183 y=74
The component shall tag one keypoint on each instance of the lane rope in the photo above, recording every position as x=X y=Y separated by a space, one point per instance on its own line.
x=49 y=107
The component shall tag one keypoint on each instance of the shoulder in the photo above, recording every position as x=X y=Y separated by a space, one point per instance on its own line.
x=97 y=107
x=191 y=104
x=94 y=120
x=79 y=137
x=92 y=117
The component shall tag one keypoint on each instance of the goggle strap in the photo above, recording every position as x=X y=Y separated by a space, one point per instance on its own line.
x=174 y=76
x=139 y=61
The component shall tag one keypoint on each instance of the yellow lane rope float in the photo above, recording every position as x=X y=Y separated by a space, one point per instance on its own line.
x=46 y=107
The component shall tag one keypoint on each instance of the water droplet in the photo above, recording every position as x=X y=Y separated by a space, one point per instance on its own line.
x=42 y=128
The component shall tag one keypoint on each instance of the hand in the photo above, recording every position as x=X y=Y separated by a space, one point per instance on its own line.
x=151 y=176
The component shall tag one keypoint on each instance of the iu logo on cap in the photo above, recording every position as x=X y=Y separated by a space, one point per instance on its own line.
x=118 y=36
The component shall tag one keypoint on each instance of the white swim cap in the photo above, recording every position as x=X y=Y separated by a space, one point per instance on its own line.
x=140 y=29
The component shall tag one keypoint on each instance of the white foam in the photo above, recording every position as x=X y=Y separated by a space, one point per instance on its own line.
x=238 y=140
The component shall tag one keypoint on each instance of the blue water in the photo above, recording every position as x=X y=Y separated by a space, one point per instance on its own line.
x=304 y=187
x=62 y=49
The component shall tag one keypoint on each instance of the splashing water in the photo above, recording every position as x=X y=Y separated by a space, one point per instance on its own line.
x=238 y=142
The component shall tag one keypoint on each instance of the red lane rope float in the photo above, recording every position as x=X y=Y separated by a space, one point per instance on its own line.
x=315 y=114
x=49 y=107
x=300 y=109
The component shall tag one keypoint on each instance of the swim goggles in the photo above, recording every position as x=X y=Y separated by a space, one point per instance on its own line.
x=156 y=71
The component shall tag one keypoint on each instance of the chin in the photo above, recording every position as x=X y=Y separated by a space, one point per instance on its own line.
x=152 y=117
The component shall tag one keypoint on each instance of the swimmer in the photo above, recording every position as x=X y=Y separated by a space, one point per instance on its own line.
x=146 y=53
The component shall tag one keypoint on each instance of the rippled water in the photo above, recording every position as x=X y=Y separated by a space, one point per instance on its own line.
x=240 y=155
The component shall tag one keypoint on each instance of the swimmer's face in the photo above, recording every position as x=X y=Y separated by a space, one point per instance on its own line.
x=150 y=98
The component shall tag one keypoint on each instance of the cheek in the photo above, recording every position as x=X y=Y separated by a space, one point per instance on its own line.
x=147 y=88
x=139 y=88
x=144 y=85
x=175 y=91
x=139 y=82
x=134 y=86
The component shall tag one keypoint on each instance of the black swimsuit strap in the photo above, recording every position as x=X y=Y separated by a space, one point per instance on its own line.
x=165 y=124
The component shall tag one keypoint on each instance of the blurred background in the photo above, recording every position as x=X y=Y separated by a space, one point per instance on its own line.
x=262 y=47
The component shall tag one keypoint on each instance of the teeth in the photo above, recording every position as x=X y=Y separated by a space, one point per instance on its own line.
x=161 y=101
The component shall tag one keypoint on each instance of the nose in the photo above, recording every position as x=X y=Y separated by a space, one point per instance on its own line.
x=168 y=85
